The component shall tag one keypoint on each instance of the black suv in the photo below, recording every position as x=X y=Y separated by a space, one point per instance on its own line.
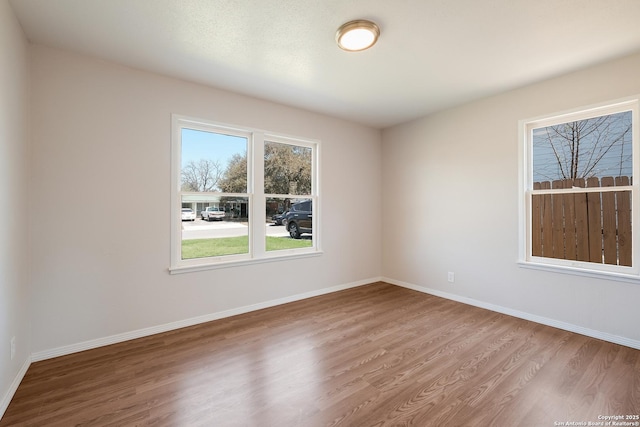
x=299 y=219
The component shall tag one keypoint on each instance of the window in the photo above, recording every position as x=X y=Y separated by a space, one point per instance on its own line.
x=235 y=182
x=579 y=197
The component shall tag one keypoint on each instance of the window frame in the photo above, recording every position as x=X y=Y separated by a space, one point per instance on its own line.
x=526 y=192
x=255 y=195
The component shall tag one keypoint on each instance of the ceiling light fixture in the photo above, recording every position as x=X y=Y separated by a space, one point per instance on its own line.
x=357 y=35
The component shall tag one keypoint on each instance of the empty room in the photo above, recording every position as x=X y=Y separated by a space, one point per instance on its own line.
x=319 y=213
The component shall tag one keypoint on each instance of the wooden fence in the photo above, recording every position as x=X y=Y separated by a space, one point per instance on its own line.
x=584 y=226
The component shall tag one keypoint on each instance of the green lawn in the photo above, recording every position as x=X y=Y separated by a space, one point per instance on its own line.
x=278 y=243
x=201 y=248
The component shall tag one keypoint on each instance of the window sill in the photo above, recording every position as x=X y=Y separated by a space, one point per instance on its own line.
x=575 y=271
x=243 y=262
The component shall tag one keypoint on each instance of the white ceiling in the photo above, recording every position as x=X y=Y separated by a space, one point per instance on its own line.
x=432 y=54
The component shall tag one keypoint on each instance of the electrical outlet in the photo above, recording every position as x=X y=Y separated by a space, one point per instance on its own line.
x=13 y=347
x=451 y=277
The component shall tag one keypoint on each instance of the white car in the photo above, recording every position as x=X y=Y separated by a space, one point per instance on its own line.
x=188 y=214
x=212 y=214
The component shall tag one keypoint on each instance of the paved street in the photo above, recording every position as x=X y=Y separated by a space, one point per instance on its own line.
x=200 y=229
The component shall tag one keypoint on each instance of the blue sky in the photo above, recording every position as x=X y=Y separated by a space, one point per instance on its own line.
x=198 y=145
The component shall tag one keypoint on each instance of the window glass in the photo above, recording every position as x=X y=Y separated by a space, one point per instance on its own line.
x=213 y=162
x=287 y=176
x=212 y=166
x=591 y=227
x=287 y=169
x=279 y=235
x=221 y=227
x=581 y=149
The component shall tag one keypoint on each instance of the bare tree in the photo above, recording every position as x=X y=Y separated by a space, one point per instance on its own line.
x=596 y=146
x=202 y=176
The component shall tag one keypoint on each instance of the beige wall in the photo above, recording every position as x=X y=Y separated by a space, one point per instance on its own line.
x=455 y=177
x=101 y=183
x=14 y=221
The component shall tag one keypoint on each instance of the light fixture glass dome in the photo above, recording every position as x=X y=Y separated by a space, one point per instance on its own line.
x=357 y=35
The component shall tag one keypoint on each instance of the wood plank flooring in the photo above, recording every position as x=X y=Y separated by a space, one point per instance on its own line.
x=377 y=355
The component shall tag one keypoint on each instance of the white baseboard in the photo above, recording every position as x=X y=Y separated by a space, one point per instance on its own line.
x=521 y=314
x=4 y=404
x=114 y=339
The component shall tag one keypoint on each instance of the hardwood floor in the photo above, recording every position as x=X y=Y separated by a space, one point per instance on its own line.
x=377 y=355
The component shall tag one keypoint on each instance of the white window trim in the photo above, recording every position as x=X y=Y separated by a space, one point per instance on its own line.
x=525 y=185
x=255 y=194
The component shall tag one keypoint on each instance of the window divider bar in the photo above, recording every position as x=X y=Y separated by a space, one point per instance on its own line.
x=581 y=190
